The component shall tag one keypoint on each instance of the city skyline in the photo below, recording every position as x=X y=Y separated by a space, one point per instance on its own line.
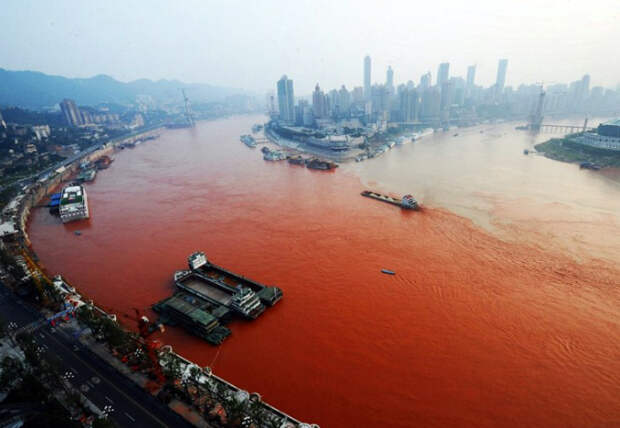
x=196 y=42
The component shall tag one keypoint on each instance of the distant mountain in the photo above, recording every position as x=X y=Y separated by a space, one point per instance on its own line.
x=35 y=90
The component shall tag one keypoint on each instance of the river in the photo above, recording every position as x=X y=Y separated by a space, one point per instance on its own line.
x=503 y=311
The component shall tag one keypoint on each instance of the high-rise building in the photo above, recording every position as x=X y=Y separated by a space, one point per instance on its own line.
x=458 y=90
x=585 y=86
x=357 y=95
x=471 y=76
x=380 y=100
x=389 y=79
x=71 y=112
x=501 y=76
x=447 y=96
x=344 y=101
x=426 y=81
x=367 y=88
x=319 y=105
x=408 y=104
x=431 y=103
x=286 y=99
x=2 y=123
x=443 y=74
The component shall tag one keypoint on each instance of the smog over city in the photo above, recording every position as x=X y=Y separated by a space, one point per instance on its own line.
x=309 y=214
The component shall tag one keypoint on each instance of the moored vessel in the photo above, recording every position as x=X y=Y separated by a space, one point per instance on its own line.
x=248 y=140
x=320 y=164
x=73 y=204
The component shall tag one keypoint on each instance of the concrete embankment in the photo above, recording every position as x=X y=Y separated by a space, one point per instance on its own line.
x=18 y=212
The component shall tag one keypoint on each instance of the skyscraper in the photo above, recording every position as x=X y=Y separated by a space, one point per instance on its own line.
x=344 y=101
x=471 y=76
x=286 y=99
x=585 y=86
x=501 y=76
x=389 y=79
x=408 y=105
x=71 y=112
x=319 y=105
x=443 y=73
x=367 y=88
x=426 y=81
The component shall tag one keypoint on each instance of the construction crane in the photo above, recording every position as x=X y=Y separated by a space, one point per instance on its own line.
x=189 y=116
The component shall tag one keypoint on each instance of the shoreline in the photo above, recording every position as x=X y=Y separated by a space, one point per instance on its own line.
x=21 y=245
x=568 y=151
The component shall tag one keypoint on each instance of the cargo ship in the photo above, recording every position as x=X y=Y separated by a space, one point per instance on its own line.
x=248 y=140
x=73 y=204
x=407 y=202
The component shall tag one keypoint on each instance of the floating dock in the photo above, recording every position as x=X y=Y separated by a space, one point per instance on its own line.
x=407 y=202
x=219 y=293
x=195 y=315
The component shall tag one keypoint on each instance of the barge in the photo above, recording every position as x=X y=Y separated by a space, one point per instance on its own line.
x=207 y=293
x=248 y=140
x=407 y=202
x=231 y=282
x=315 y=163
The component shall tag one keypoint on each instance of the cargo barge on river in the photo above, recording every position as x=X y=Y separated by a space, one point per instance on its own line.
x=407 y=202
x=209 y=296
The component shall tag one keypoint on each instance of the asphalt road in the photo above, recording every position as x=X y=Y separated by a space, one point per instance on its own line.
x=125 y=402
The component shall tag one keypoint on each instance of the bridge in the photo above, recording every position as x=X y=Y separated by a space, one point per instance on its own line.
x=546 y=127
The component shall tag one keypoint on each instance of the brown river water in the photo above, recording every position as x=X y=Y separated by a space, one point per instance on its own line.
x=505 y=306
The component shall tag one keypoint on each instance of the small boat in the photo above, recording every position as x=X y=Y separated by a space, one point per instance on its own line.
x=388 y=272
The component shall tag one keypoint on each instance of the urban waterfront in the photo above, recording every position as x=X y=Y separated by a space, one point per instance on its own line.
x=502 y=310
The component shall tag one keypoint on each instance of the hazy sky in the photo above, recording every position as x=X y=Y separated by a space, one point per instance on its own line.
x=250 y=44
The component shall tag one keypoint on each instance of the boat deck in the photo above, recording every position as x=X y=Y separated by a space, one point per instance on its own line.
x=228 y=279
x=201 y=286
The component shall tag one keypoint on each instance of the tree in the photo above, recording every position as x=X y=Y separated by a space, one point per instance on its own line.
x=11 y=370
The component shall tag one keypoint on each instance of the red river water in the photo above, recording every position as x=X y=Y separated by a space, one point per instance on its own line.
x=504 y=310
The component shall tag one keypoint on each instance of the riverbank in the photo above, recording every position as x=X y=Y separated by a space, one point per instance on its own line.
x=469 y=319
x=17 y=245
x=566 y=150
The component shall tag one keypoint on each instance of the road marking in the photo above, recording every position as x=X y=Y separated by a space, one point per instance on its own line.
x=109 y=399
x=132 y=419
x=121 y=392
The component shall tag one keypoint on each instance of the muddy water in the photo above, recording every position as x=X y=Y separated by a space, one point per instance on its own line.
x=494 y=318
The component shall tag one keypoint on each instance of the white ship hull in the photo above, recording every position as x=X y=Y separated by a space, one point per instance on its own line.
x=74 y=204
